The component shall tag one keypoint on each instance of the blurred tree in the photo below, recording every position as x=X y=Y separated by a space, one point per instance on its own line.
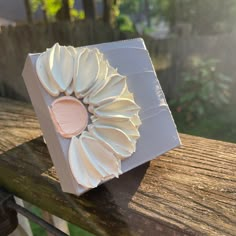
x=28 y=10
x=130 y=7
x=45 y=18
x=147 y=12
x=203 y=89
x=110 y=11
x=107 y=11
x=138 y=10
x=64 y=12
x=89 y=9
x=57 y=9
x=208 y=16
x=204 y=17
x=124 y=23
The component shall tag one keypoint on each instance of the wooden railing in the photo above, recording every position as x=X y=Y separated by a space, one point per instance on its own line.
x=187 y=191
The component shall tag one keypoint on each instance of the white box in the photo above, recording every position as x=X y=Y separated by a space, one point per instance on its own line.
x=158 y=133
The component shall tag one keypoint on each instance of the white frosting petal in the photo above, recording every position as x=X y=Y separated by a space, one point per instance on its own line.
x=126 y=125
x=91 y=162
x=81 y=167
x=101 y=79
x=136 y=120
x=105 y=161
x=114 y=87
x=47 y=81
x=111 y=70
x=77 y=54
x=127 y=94
x=85 y=71
x=119 y=108
x=105 y=73
x=69 y=90
x=60 y=66
x=72 y=51
x=114 y=139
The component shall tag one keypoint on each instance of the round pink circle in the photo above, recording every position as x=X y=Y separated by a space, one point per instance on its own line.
x=69 y=115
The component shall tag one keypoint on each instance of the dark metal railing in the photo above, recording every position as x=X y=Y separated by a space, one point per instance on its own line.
x=8 y=216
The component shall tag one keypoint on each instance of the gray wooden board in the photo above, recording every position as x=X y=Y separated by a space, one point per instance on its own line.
x=158 y=133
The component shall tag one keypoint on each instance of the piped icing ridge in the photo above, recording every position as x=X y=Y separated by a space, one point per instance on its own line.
x=95 y=153
x=90 y=162
x=55 y=69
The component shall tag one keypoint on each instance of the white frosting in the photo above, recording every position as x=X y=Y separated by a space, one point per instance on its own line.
x=111 y=70
x=127 y=94
x=55 y=69
x=85 y=71
x=114 y=87
x=126 y=125
x=90 y=162
x=69 y=90
x=119 y=108
x=47 y=82
x=136 y=120
x=101 y=78
x=114 y=139
x=60 y=66
x=95 y=155
x=72 y=51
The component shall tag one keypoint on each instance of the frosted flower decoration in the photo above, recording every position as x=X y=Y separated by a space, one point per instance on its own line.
x=85 y=86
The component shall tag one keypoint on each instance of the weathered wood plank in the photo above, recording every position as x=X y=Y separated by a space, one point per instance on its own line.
x=187 y=191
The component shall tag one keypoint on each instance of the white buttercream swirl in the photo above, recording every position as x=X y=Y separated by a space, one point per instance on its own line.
x=113 y=88
x=96 y=154
x=85 y=71
x=91 y=162
x=55 y=69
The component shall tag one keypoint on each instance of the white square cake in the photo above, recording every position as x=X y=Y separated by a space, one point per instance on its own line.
x=101 y=144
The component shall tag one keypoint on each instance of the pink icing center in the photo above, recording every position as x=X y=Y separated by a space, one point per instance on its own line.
x=69 y=115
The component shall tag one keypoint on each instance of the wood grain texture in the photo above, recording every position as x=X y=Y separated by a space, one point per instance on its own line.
x=188 y=191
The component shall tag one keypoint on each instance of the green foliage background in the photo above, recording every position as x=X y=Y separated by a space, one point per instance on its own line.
x=205 y=16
